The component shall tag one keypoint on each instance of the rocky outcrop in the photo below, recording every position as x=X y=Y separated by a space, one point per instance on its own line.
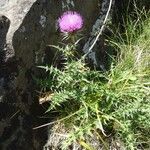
x=26 y=28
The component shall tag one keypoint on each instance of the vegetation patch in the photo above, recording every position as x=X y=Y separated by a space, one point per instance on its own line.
x=101 y=110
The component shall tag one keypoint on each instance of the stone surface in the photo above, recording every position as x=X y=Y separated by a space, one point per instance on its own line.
x=27 y=27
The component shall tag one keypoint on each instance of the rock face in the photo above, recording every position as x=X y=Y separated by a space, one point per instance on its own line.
x=26 y=28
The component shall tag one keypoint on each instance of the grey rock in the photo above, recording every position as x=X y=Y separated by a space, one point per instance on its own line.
x=27 y=28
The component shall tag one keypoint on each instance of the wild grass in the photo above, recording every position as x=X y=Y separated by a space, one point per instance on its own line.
x=111 y=104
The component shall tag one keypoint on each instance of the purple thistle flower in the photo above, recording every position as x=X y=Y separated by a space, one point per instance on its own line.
x=70 y=21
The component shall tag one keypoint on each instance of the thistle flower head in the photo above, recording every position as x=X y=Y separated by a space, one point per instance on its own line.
x=70 y=21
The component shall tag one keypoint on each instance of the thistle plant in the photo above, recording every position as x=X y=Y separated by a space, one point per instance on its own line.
x=70 y=21
x=89 y=103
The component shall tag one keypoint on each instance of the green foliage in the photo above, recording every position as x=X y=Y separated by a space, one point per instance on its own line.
x=116 y=101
